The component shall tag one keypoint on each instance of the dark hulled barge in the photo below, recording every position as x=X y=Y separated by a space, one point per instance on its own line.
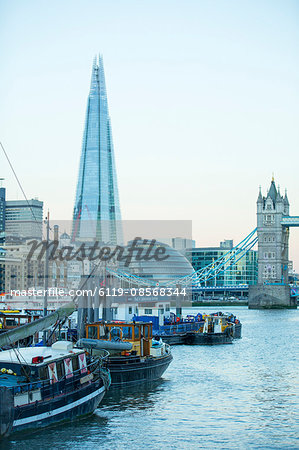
x=41 y=386
x=207 y=329
x=135 y=357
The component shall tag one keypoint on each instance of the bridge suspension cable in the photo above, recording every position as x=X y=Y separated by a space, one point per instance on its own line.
x=220 y=265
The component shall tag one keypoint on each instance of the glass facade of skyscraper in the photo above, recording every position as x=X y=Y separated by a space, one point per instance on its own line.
x=97 y=210
x=24 y=218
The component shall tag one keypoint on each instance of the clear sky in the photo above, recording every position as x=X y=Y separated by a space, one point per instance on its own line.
x=203 y=98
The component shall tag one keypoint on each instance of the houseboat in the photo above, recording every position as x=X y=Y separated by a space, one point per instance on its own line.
x=41 y=386
x=135 y=357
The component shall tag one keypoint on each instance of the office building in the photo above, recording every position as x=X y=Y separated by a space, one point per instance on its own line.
x=244 y=271
x=97 y=211
x=24 y=219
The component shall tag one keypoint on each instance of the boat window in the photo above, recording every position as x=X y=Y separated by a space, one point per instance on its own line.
x=60 y=370
x=146 y=331
x=92 y=332
x=136 y=333
x=75 y=363
x=127 y=332
x=116 y=333
x=43 y=373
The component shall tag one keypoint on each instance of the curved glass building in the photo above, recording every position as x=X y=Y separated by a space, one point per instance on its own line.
x=97 y=211
x=173 y=267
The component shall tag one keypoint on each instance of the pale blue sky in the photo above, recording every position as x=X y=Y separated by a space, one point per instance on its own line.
x=203 y=97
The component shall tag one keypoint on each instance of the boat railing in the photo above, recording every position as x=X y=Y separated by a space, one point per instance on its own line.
x=103 y=355
x=65 y=383
x=180 y=328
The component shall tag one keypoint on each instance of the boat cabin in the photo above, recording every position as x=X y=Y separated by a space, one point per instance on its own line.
x=215 y=324
x=139 y=334
x=52 y=364
x=14 y=319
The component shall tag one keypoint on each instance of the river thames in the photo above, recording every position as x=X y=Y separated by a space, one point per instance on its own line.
x=238 y=396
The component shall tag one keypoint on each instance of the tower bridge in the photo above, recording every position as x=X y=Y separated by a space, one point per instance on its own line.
x=273 y=225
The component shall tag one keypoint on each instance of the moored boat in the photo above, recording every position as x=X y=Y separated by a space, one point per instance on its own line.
x=135 y=357
x=41 y=386
x=206 y=329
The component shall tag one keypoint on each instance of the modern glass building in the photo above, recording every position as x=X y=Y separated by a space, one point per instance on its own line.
x=245 y=271
x=24 y=219
x=174 y=267
x=97 y=210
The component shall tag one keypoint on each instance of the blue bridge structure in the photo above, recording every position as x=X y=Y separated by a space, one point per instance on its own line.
x=271 y=235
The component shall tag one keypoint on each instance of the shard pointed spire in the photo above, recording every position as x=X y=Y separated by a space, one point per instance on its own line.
x=97 y=210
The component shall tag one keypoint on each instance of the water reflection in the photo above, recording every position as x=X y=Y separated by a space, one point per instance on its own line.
x=240 y=396
x=141 y=397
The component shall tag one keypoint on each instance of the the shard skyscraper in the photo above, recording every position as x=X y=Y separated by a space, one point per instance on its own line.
x=97 y=210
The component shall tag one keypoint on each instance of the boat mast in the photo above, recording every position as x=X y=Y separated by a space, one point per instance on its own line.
x=47 y=221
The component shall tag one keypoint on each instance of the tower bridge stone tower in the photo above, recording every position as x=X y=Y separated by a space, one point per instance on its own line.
x=273 y=221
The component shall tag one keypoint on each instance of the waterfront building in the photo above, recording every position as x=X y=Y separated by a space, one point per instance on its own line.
x=126 y=308
x=21 y=273
x=179 y=243
x=24 y=219
x=245 y=271
x=97 y=211
x=174 y=265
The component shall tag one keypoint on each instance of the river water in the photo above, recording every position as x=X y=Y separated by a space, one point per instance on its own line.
x=239 y=396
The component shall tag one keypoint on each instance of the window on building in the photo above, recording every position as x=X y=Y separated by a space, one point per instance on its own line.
x=130 y=309
x=148 y=311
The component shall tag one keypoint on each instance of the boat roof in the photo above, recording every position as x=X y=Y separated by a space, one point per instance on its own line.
x=120 y=323
x=25 y=355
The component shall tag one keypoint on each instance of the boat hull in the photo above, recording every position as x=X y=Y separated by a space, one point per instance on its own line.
x=139 y=370
x=238 y=331
x=42 y=404
x=208 y=339
x=173 y=339
x=57 y=410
